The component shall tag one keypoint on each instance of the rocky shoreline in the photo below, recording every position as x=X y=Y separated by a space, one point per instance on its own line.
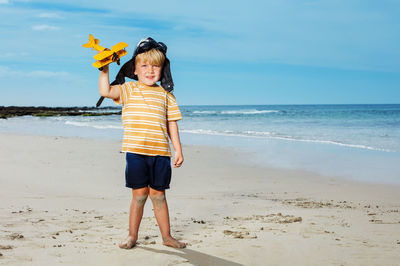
x=42 y=111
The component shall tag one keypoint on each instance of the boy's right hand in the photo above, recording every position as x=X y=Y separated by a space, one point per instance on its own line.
x=178 y=159
x=105 y=69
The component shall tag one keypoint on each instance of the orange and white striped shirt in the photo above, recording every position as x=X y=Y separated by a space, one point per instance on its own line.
x=145 y=112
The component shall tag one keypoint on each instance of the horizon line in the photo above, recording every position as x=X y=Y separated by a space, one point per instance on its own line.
x=116 y=106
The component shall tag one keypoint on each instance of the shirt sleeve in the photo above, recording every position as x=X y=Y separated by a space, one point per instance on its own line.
x=173 y=112
x=122 y=94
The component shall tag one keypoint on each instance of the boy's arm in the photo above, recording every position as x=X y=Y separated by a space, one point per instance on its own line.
x=112 y=92
x=173 y=133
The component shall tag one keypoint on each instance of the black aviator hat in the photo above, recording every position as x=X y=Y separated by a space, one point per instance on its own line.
x=128 y=69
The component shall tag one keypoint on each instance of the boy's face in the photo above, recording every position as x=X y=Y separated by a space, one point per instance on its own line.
x=147 y=73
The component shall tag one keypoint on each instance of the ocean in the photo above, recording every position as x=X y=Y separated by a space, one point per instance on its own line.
x=360 y=142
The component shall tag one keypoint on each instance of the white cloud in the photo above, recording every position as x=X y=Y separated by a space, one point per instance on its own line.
x=7 y=1
x=44 y=27
x=8 y=72
x=46 y=74
x=49 y=15
x=14 y=54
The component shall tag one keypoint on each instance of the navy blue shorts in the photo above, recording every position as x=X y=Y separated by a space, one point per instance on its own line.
x=143 y=170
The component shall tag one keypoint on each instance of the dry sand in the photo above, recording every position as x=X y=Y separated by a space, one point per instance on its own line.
x=63 y=201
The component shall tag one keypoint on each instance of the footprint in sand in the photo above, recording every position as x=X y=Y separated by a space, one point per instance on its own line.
x=198 y=221
x=22 y=211
x=6 y=247
x=37 y=221
x=148 y=242
x=239 y=234
x=14 y=236
x=280 y=219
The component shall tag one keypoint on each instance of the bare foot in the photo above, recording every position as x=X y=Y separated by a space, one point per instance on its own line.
x=129 y=243
x=172 y=242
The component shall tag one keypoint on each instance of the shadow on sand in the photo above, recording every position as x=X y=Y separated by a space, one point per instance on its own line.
x=195 y=257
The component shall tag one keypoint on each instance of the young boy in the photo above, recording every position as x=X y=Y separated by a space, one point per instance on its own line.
x=149 y=116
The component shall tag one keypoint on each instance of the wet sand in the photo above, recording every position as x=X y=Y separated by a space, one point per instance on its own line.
x=63 y=201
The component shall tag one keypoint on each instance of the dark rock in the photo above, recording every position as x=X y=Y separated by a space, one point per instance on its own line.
x=41 y=111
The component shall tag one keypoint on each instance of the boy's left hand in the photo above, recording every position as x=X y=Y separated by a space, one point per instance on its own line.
x=178 y=159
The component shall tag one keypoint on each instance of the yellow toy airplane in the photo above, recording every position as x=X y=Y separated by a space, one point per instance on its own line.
x=106 y=56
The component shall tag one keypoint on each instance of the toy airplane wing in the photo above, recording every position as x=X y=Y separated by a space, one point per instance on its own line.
x=114 y=57
x=100 y=64
x=104 y=62
x=103 y=55
x=119 y=46
x=118 y=49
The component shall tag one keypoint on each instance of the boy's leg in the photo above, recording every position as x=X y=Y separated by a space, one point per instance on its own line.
x=139 y=197
x=161 y=212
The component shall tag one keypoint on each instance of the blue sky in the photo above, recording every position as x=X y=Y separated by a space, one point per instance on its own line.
x=222 y=52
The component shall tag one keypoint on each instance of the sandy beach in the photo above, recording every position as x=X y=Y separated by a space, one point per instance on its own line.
x=63 y=201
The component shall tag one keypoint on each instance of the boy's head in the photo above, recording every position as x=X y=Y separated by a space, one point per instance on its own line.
x=153 y=53
x=148 y=66
x=153 y=56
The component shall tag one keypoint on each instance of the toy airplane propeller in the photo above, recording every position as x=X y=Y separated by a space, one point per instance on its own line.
x=106 y=56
